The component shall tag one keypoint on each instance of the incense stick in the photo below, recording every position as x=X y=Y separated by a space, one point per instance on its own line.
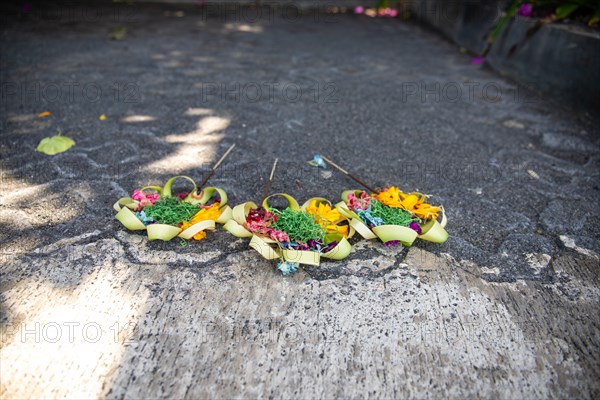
x=214 y=168
x=270 y=182
x=342 y=170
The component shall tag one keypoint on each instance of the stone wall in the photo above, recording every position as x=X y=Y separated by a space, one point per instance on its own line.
x=560 y=60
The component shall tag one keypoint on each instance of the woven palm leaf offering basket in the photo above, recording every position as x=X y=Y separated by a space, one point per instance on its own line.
x=389 y=214
x=295 y=234
x=393 y=216
x=165 y=215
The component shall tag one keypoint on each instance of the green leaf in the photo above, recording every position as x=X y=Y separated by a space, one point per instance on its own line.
x=118 y=33
x=55 y=144
x=510 y=12
x=565 y=10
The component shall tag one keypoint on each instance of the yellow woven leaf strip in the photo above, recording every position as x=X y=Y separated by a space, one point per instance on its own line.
x=235 y=224
x=345 y=211
x=226 y=215
x=197 y=236
x=167 y=189
x=433 y=231
x=362 y=229
x=192 y=230
x=387 y=233
x=129 y=219
x=236 y=229
x=345 y=194
x=262 y=246
x=127 y=202
x=301 y=257
x=206 y=194
x=157 y=189
x=444 y=218
x=292 y=203
x=162 y=232
x=356 y=224
x=240 y=212
x=339 y=252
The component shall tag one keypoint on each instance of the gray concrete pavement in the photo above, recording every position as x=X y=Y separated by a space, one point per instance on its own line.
x=507 y=308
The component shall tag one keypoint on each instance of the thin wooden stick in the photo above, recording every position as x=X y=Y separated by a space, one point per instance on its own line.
x=342 y=170
x=214 y=168
x=270 y=182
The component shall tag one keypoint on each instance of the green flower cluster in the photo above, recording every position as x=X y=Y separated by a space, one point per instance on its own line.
x=299 y=225
x=391 y=215
x=171 y=210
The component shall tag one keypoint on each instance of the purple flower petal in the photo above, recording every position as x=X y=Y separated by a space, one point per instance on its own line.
x=415 y=227
x=330 y=246
x=525 y=10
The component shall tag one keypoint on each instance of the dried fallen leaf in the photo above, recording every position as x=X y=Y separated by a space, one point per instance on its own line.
x=118 y=33
x=44 y=114
x=511 y=123
x=55 y=144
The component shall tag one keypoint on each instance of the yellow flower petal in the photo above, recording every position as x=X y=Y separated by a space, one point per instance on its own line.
x=204 y=214
x=325 y=215
x=200 y=235
x=343 y=229
x=410 y=201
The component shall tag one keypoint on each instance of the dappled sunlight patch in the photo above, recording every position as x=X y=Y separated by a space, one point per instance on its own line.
x=187 y=156
x=203 y=59
x=49 y=203
x=27 y=123
x=172 y=64
x=70 y=340
x=204 y=127
x=196 y=148
x=197 y=111
x=14 y=219
x=20 y=117
x=244 y=28
x=138 y=118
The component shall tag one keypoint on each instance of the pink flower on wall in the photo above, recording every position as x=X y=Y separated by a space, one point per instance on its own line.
x=525 y=10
